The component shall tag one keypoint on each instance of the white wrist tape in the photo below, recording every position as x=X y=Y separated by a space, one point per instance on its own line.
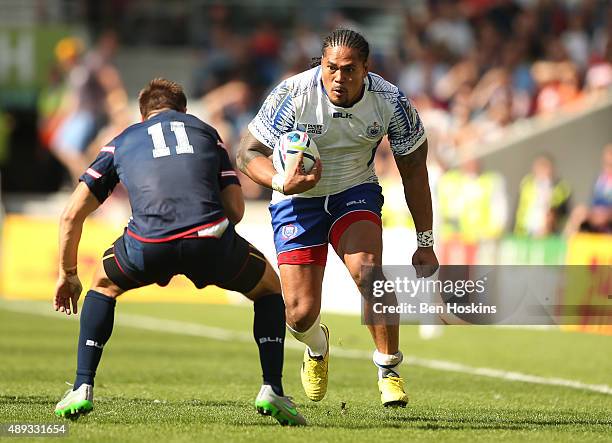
x=278 y=183
x=425 y=239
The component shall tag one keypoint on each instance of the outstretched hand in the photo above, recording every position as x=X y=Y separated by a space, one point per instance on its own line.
x=67 y=292
x=297 y=181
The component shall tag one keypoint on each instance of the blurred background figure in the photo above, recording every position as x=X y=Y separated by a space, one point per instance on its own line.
x=596 y=218
x=94 y=92
x=473 y=209
x=543 y=200
x=602 y=190
x=52 y=103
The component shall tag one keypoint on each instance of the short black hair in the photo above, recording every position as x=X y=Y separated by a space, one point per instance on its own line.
x=161 y=93
x=345 y=37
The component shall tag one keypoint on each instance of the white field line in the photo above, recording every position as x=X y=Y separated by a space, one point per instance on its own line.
x=198 y=330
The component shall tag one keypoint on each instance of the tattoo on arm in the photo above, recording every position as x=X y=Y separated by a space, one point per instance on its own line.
x=250 y=148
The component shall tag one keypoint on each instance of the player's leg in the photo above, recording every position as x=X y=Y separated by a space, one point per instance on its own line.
x=356 y=235
x=246 y=270
x=270 y=337
x=360 y=247
x=300 y=237
x=302 y=286
x=96 y=326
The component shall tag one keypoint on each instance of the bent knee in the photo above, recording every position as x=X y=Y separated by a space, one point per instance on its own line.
x=365 y=272
x=105 y=286
x=301 y=316
x=268 y=284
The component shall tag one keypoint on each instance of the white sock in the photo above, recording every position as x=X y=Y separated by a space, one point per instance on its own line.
x=388 y=364
x=313 y=337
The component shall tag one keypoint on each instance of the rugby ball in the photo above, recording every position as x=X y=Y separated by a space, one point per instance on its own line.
x=288 y=147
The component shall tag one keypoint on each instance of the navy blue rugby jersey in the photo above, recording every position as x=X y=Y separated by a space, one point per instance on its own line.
x=174 y=167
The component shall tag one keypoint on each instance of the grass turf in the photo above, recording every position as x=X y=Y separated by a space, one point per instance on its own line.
x=174 y=387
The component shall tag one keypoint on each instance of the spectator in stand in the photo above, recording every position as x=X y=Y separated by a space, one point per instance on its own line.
x=602 y=191
x=52 y=97
x=598 y=217
x=472 y=204
x=450 y=28
x=543 y=200
x=94 y=92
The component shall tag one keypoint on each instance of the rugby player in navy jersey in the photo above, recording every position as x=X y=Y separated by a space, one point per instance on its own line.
x=185 y=199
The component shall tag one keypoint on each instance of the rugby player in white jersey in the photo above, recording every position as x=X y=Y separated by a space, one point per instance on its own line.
x=347 y=111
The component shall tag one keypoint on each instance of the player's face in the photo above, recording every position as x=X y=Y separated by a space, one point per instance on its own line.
x=343 y=71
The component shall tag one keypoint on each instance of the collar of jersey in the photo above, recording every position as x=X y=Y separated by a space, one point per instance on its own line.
x=161 y=113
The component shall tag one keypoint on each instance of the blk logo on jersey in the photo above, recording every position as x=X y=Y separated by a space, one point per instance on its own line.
x=310 y=128
x=342 y=115
x=289 y=231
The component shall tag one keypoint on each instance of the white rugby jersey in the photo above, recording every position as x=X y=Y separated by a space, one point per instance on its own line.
x=347 y=138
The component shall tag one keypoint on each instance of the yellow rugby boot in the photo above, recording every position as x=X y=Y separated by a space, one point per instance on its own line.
x=314 y=372
x=392 y=392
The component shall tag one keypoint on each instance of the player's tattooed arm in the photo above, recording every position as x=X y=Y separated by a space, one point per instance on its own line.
x=413 y=169
x=250 y=148
x=254 y=160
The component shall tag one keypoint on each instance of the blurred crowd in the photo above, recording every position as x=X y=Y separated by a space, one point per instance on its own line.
x=472 y=68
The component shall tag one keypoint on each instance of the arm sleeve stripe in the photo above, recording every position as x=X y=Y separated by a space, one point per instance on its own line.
x=93 y=173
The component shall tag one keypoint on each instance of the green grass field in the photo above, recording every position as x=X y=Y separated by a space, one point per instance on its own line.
x=170 y=381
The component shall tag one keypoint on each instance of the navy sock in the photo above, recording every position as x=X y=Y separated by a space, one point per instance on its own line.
x=97 y=317
x=269 y=333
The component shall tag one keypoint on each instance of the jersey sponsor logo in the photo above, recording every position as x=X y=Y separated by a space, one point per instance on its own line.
x=361 y=201
x=289 y=231
x=374 y=130
x=310 y=128
x=342 y=115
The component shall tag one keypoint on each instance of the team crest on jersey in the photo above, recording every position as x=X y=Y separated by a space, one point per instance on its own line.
x=288 y=231
x=310 y=128
x=374 y=130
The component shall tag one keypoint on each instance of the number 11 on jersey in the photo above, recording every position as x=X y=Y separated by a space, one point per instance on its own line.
x=160 y=149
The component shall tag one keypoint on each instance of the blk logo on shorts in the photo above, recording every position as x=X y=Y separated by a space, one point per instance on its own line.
x=357 y=202
x=289 y=231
